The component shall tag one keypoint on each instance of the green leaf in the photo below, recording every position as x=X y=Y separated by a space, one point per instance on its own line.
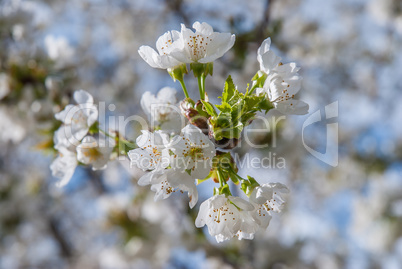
x=224 y=107
x=237 y=110
x=209 y=108
x=249 y=185
x=229 y=90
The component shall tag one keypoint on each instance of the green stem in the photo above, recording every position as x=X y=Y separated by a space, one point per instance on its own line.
x=106 y=133
x=203 y=84
x=200 y=87
x=184 y=87
x=251 y=90
x=233 y=174
x=220 y=177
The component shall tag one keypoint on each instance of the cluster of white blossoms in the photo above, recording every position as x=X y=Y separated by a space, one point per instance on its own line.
x=176 y=159
x=73 y=143
x=173 y=163
x=229 y=216
x=282 y=82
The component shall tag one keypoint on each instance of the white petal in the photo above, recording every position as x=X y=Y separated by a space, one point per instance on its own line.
x=141 y=158
x=66 y=114
x=144 y=140
x=287 y=70
x=217 y=201
x=267 y=58
x=277 y=187
x=202 y=169
x=145 y=179
x=292 y=107
x=182 y=56
x=83 y=97
x=150 y=56
x=222 y=42
x=200 y=221
x=92 y=115
x=63 y=167
x=194 y=134
x=241 y=203
x=167 y=95
x=261 y=194
x=265 y=45
x=146 y=100
x=204 y=28
x=182 y=181
x=264 y=219
x=160 y=139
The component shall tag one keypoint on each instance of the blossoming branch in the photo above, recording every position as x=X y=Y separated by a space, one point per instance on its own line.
x=176 y=159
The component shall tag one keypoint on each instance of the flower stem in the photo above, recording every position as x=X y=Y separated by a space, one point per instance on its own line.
x=203 y=76
x=184 y=87
x=201 y=79
x=106 y=133
x=220 y=177
x=251 y=90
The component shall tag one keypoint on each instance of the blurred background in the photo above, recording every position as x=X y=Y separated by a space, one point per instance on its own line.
x=347 y=215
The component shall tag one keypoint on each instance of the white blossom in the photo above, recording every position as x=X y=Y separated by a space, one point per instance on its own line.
x=202 y=46
x=151 y=154
x=161 y=108
x=227 y=217
x=94 y=153
x=282 y=82
x=193 y=152
x=64 y=165
x=77 y=120
x=267 y=198
x=169 y=181
x=162 y=58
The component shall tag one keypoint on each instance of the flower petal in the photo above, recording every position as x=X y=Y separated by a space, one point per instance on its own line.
x=83 y=97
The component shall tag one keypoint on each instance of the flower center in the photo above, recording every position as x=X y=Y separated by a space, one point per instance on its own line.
x=222 y=214
x=198 y=46
x=195 y=153
x=92 y=153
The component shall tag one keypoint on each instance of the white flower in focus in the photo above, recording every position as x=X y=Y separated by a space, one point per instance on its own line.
x=202 y=46
x=170 y=181
x=4 y=85
x=77 y=120
x=227 y=217
x=267 y=198
x=282 y=83
x=58 y=49
x=94 y=153
x=63 y=166
x=160 y=108
x=162 y=58
x=151 y=154
x=193 y=152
